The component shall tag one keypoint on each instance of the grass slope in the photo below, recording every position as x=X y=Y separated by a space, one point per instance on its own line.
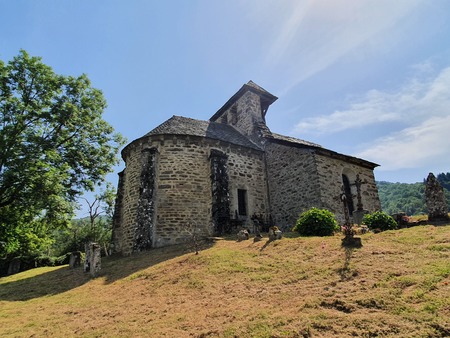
x=397 y=284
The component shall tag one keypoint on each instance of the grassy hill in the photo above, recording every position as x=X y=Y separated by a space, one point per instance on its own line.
x=397 y=284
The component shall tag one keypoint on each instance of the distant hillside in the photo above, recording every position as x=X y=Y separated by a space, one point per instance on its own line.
x=402 y=197
x=408 y=197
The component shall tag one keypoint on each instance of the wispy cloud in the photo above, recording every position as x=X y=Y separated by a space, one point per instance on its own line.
x=312 y=35
x=420 y=98
x=421 y=109
x=413 y=147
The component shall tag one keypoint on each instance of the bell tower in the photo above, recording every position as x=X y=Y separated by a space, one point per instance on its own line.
x=246 y=111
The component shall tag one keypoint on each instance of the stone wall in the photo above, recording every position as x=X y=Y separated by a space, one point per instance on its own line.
x=124 y=234
x=183 y=193
x=330 y=180
x=116 y=236
x=246 y=172
x=145 y=226
x=293 y=182
x=183 y=189
x=300 y=178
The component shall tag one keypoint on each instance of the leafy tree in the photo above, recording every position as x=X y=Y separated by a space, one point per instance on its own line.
x=316 y=222
x=444 y=180
x=102 y=204
x=96 y=227
x=402 y=197
x=79 y=232
x=54 y=145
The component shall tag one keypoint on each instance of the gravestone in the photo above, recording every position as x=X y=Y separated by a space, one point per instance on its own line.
x=243 y=235
x=92 y=263
x=358 y=216
x=14 y=266
x=274 y=233
x=75 y=259
x=87 y=257
x=435 y=199
x=96 y=259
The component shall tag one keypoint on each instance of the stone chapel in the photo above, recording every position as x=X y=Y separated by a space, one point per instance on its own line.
x=227 y=172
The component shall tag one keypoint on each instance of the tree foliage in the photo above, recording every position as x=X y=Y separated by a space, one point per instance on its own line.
x=444 y=180
x=316 y=222
x=402 y=197
x=96 y=227
x=54 y=145
x=79 y=232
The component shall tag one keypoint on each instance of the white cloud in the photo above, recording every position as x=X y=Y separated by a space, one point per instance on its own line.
x=374 y=108
x=421 y=109
x=419 y=99
x=412 y=147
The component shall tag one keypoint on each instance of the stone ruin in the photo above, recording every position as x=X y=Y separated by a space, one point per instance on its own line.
x=435 y=200
x=75 y=259
x=93 y=261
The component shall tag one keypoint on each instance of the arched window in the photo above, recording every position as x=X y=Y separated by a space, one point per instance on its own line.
x=348 y=194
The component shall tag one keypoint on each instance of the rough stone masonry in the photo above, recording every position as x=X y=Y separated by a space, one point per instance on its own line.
x=221 y=173
x=435 y=200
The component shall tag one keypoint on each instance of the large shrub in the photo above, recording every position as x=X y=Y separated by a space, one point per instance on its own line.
x=316 y=222
x=379 y=221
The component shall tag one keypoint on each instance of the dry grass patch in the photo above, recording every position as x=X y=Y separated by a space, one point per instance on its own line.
x=397 y=284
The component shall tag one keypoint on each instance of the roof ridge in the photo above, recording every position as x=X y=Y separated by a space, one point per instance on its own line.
x=256 y=86
x=294 y=140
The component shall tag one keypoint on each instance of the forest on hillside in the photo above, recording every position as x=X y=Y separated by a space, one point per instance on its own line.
x=408 y=197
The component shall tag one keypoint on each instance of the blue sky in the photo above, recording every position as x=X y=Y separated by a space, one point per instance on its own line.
x=364 y=78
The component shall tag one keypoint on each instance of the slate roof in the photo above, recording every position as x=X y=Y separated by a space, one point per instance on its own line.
x=293 y=140
x=178 y=125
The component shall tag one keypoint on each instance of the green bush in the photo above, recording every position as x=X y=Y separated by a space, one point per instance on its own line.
x=379 y=221
x=316 y=222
